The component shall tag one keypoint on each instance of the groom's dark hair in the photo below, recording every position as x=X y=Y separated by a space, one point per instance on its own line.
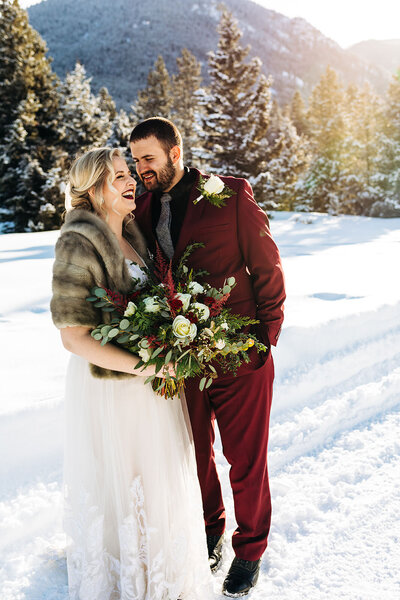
x=164 y=130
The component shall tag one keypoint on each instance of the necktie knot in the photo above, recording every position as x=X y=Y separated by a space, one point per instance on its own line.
x=165 y=198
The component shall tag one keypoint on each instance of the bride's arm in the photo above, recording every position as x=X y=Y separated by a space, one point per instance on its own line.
x=79 y=341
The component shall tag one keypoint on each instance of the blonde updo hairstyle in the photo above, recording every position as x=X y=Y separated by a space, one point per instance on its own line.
x=90 y=172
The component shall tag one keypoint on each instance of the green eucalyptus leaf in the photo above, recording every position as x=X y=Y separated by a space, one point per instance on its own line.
x=123 y=339
x=209 y=382
x=202 y=383
x=100 y=304
x=231 y=281
x=124 y=324
x=112 y=333
x=97 y=336
x=226 y=289
x=157 y=352
x=105 y=330
x=104 y=341
x=92 y=299
x=100 y=293
x=150 y=379
x=168 y=357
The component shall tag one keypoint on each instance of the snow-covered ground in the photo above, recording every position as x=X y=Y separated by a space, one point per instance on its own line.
x=335 y=427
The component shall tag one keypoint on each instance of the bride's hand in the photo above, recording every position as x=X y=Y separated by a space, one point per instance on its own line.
x=151 y=370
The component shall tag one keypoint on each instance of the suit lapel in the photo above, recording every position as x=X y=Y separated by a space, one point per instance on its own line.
x=193 y=215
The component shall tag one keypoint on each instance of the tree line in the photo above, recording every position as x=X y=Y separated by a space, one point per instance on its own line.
x=340 y=153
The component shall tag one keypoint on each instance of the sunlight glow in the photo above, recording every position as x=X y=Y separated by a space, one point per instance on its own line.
x=345 y=21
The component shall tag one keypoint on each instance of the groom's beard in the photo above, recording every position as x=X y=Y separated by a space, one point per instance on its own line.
x=161 y=180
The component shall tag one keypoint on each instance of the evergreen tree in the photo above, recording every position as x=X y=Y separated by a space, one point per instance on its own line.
x=298 y=113
x=121 y=128
x=107 y=104
x=277 y=186
x=187 y=104
x=362 y=114
x=323 y=185
x=29 y=117
x=85 y=118
x=388 y=159
x=238 y=105
x=156 y=98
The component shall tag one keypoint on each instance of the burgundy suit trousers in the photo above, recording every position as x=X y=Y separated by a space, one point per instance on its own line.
x=242 y=407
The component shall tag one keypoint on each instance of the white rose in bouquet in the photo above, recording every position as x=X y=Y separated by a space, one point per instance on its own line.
x=183 y=329
x=185 y=299
x=220 y=344
x=195 y=288
x=214 y=185
x=144 y=354
x=202 y=310
x=130 y=309
x=151 y=304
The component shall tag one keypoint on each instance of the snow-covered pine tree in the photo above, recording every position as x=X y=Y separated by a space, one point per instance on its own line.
x=107 y=104
x=277 y=186
x=85 y=118
x=156 y=98
x=121 y=128
x=237 y=109
x=30 y=138
x=119 y=122
x=363 y=118
x=298 y=113
x=388 y=160
x=186 y=109
x=323 y=184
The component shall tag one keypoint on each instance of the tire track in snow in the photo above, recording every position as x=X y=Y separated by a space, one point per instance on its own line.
x=335 y=532
x=312 y=429
x=31 y=444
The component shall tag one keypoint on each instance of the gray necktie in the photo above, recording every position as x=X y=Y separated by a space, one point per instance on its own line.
x=163 y=230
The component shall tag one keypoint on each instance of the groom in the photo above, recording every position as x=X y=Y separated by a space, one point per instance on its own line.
x=238 y=243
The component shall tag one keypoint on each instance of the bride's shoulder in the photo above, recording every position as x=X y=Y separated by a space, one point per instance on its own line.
x=82 y=237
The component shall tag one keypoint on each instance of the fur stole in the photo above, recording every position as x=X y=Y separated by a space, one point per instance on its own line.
x=87 y=255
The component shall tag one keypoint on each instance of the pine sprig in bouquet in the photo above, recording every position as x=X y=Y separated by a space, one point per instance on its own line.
x=175 y=319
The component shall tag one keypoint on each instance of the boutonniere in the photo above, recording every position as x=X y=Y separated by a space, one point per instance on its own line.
x=214 y=190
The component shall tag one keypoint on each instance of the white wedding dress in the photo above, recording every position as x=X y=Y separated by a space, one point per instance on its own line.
x=133 y=514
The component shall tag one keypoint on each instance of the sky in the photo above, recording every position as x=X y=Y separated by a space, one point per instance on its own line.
x=345 y=21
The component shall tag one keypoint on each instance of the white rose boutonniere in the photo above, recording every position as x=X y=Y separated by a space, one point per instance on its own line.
x=214 y=190
x=214 y=185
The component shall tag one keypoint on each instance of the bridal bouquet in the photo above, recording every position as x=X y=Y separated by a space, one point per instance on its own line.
x=175 y=319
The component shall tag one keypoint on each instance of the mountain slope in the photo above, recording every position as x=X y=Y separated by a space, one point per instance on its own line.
x=384 y=53
x=119 y=43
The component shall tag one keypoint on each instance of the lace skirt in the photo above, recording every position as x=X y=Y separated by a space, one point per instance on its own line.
x=133 y=505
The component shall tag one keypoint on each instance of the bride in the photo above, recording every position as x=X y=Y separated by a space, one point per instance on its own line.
x=133 y=506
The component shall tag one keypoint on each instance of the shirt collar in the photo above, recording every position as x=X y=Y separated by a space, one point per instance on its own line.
x=183 y=185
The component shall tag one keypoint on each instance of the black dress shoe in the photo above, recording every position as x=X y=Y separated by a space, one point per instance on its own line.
x=214 y=545
x=242 y=576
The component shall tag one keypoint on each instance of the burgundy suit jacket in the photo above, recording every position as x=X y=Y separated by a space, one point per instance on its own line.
x=238 y=243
